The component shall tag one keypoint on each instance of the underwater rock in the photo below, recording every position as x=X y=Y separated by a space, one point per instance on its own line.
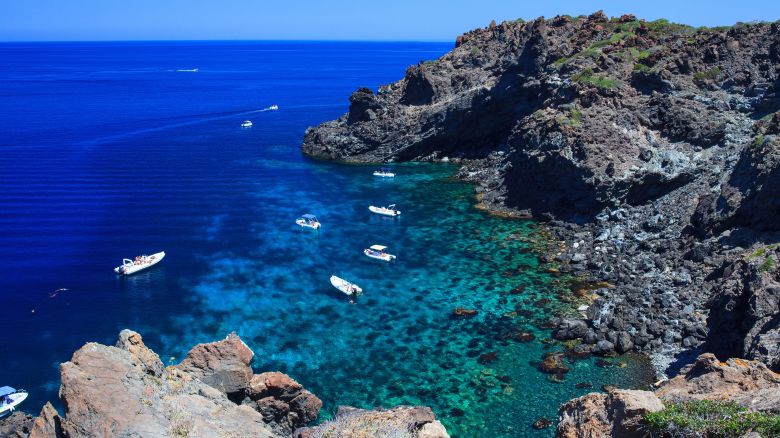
x=541 y=423
x=488 y=358
x=553 y=363
x=462 y=312
x=583 y=385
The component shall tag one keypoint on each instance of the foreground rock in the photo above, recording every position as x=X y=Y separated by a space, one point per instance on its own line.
x=652 y=149
x=748 y=383
x=619 y=413
x=125 y=390
x=417 y=422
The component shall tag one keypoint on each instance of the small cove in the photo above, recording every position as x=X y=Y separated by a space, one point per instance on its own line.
x=221 y=202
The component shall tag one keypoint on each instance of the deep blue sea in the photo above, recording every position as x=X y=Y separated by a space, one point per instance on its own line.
x=110 y=150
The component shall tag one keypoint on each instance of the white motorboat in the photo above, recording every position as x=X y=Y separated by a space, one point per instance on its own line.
x=139 y=263
x=10 y=398
x=384 y=173
x=378 y=252
x=273 y=107
x=348 y=288
x=308 y=221
x=387 y=211
x=246 y=124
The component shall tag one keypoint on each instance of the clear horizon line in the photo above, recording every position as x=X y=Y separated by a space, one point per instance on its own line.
x=231 y=40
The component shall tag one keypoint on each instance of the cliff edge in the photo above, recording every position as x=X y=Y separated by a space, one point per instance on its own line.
x=650 y=148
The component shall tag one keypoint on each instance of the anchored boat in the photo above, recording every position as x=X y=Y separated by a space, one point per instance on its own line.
x=308 y=221
x=10 y=398
x=386 y=211
x=348 y=288
x=246 y=124
x=139 y=263
x=384 y=173
x=378 y=252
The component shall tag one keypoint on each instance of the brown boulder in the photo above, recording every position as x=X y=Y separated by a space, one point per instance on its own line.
x=398 y=421
x=223 y=364
x=618 y=414
x=282 y=401
x=750 y=383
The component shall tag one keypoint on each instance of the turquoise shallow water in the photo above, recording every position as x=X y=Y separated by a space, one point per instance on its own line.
x=137 y=157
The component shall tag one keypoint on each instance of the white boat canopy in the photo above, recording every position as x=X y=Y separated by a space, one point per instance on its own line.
x=378 y=247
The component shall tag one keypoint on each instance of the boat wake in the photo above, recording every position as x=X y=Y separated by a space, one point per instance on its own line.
x=193 y=121
x=190 y=70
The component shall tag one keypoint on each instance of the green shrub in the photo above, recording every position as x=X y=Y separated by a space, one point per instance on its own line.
x=711 y=419
x=759 y=141
x=767 y=265
x=589 y=78
x=710 y=74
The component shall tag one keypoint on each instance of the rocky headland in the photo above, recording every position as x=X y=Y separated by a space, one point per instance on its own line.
x=649 y=150
x=126 y=391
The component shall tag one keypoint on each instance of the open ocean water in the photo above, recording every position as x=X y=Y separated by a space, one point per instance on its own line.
x=110 y=150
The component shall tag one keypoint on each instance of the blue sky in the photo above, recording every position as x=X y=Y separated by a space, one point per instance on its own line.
x=421 y=20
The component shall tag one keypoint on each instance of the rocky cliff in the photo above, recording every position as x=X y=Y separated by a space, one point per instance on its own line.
x=126 y=391
x=650 y=148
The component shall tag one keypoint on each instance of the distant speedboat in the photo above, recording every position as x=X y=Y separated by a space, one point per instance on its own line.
x=384 y=173
x=10 y=398
x=139 y=263
x=246 y=124
x=308 y=221
x=273 y=107
x=386 y=211
x=348 y=288
x=193 y=70
x=378 y=252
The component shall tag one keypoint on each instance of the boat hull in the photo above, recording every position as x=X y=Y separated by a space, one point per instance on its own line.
x=345 y=286
x=384 y=175
x=305 y=224
x=18 y=398
x=378 y=256
x=134 y=269
x=384 y=211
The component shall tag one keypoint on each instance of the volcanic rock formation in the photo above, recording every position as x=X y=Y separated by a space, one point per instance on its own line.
x=650 y=148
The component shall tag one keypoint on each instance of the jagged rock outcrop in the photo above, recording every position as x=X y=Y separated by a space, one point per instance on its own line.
x=282 y=401
x=414 y=421
x=749 y=383
x=223 y=365
x=620 y=413
x=125 y=391
x=650 y=147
